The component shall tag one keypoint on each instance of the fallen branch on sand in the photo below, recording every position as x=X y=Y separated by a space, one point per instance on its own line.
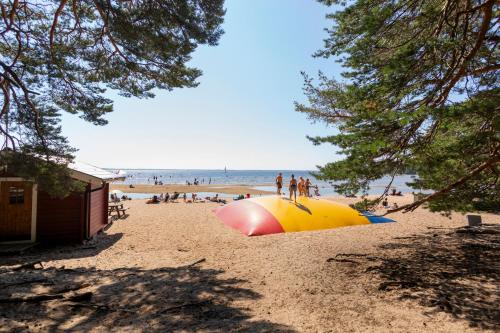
x=18 y=283
x=28 y=265
x=386 y=286
x=73 y=288
x=406 y=237
x=358 y=256
x=477 y=231
x=355 y=255
x=184 y=305
x=66 y=293
x=101 y=307
x=76 y=297
x=196 y=263
x=105 y=307
x=342 y=260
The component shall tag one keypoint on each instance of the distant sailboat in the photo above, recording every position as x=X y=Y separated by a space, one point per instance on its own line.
x=225 y=170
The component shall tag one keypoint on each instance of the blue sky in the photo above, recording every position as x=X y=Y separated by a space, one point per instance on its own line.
x=240 y=116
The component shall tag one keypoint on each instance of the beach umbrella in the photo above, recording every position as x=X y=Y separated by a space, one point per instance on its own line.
x=274 y=214
x=121 y=173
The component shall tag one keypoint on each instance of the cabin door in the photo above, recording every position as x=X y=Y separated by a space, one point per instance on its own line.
x=16 y=199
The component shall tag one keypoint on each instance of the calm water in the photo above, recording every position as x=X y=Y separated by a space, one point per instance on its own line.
x=262 y=179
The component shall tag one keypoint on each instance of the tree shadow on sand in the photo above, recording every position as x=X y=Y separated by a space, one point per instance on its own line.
x=43 y=252
x=455 y=271
x=186 y=298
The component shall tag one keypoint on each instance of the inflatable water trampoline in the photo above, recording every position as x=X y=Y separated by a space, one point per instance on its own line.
x=274 y=214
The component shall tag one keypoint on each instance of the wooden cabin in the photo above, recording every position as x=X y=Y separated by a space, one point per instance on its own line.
x=29 y=215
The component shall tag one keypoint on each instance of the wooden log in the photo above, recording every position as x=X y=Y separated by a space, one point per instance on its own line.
x=28 y=265
x=79 y=297
x=31 y=298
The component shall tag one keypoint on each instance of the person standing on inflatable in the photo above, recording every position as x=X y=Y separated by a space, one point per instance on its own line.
x=279 y=183
x=293 y=188
x=302 y=187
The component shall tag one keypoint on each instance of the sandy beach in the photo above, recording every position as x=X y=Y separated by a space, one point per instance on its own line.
x=192 y=166
x=175 y=267
x=217 y=188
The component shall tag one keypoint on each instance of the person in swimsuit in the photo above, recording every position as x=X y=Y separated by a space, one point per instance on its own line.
x=302 y=186
x=153 y=200
x=279 y=183
x=308 y=187
x=293 y=188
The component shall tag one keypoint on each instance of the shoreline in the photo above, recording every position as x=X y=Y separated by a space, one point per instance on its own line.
x=231 y=189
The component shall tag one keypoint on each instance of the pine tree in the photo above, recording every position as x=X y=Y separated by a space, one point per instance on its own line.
x=61 y=56
x=420 y=92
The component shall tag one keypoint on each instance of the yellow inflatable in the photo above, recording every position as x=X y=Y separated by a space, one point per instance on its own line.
x=274 y=214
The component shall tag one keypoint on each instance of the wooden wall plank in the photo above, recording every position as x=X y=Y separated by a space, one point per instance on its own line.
x=58 y=220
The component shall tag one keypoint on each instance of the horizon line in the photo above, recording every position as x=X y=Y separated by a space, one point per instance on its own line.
x=195 y=169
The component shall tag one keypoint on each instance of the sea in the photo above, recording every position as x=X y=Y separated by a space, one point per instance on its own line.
x=259 y=179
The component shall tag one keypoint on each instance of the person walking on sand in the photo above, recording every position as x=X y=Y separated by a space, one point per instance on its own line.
x=279 y=183
x=293 y=188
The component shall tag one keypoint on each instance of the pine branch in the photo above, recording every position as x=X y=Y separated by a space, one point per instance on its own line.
x=411 y=207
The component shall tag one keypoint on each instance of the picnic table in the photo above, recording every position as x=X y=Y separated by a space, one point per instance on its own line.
x=116 y=207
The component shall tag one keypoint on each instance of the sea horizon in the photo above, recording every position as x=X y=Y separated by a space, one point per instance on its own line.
x=203 y=169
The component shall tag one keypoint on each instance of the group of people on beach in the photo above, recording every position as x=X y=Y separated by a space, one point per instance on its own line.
x=385 y=201
x=385 y=204
x=176 y=195
x=115 y=198
x=303 y=186
x=198 y=182
x=157 y=182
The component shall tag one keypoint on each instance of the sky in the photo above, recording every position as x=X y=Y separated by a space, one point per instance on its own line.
x=241 y=116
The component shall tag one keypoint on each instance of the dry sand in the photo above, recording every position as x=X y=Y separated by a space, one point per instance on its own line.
x=217 y=188
x=424 y=273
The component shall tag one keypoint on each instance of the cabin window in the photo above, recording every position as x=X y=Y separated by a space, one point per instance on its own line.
x=16 y=195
